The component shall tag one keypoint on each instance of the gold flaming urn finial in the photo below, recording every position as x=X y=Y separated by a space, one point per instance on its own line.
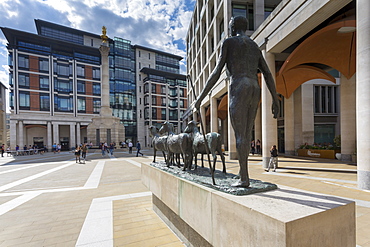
x=104 y=36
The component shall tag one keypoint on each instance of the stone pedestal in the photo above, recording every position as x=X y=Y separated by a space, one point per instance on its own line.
x=201 y=216
x=105 y=125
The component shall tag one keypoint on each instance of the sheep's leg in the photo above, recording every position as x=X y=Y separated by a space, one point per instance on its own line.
x=214 y=160
x=155 y=152
x=202 y=155
x=164 y=155
x=178 y=161
x=195 y=160
x=223 y=160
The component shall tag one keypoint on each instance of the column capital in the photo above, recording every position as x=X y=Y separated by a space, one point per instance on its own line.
x=104 y=50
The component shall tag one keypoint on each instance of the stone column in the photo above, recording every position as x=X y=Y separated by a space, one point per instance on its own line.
x=214 y=118
x=233 y=155
x=72 y=135
x=56 y=133
x=347 y=117
x=362 y=94
x=289 y=125
x=307 y=113
x=50 y=136
x=269 y=124
x=78 y=133
x=195 y=116
x=259 y=9
x=13 y=134
x=203 y=116
x=20 y=134
x=258 y=125
x=105 y=107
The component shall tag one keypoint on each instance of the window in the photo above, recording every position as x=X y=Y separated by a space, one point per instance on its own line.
x=11 y=99
x=63 y=86
x=163 y=101
x=80 y=87
x=24 y=81
x=44 y=102
x=23 y=61
x=81 y=104
x=154 y=100
x=96 y=73
x=154 y=113
x=139 y=65
x=245 y=11
x=153 y=88
x=62 y=69
x=80 y=71
x=139 y=53
x=96 y=105
x=163 y=113
x=149 y=55
x=326 y=99
x=24 y=100
x=63 y=104
x=43 y=64
x=44 y=82
x=163 y=89
x=173 y=115
x=324 y=133
x=96 y=89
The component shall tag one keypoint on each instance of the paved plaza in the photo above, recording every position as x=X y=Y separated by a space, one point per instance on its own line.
x=50 y=200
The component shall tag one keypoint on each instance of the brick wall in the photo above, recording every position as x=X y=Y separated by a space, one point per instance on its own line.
x=34 y=101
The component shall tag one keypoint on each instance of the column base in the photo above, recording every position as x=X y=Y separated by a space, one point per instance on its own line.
x=363 y=180
x=233 y=155
x=265 y=162
x=346 y=157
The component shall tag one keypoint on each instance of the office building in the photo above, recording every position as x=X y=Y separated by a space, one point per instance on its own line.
x=318 y=52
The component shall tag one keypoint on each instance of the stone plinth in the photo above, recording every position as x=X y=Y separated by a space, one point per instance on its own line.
x=201 y=216
x=105 y=123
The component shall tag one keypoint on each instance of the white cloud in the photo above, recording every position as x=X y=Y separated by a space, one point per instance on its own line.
x=152 y=23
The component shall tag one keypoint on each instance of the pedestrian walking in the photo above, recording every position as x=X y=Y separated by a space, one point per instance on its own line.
x=2 y=150
x=111 y=148
x=78 y=153
x=130 y=147
x=138 y=148
x=84 y=151
x=273 y=159
x=258 y=146
x=103 y=149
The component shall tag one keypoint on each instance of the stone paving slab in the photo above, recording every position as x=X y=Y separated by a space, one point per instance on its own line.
x=56 y=218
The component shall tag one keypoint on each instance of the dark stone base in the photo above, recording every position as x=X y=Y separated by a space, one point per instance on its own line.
x=187 y=234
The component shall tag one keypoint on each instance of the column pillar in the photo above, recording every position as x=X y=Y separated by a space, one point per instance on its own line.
x=347 y=115
x=56 y=133
x=233 y=155
x=203 y=116
x=78 y=133
x=362 y=93
x=20 y=134
x=49 y=136
x=195 y=116
x=72 y=135
x=289 y=125
x=307 y=114
x=259 y=16
x=105 y=106
x=13 y=134
x=269 y=124
x=214 y=117
x=258 y=125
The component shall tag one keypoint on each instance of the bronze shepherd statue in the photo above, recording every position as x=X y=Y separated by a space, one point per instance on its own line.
x=243 y=59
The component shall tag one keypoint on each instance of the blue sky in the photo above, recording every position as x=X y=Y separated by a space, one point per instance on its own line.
x=158 y=24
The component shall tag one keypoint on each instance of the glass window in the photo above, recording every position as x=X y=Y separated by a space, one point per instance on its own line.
x=81 y=104
x=24 y=80
x=96 y=105
x=245 y=11
x=24 y=100
x=62 y=69
x=44 y=102
x=324 y=133
x=80 y=87
x=63 y=86
x=11 y=99
x=23 y=61
x=96 y=89
x=96 y=73
x=80 y=71
x=44 y=82
x=325 y=98
x=63 y=104
x=43 y=64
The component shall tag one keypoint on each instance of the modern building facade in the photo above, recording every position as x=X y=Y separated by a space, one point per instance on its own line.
x=161 y=91
x=3 y=116
x=55 y=84
x=318 y=53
